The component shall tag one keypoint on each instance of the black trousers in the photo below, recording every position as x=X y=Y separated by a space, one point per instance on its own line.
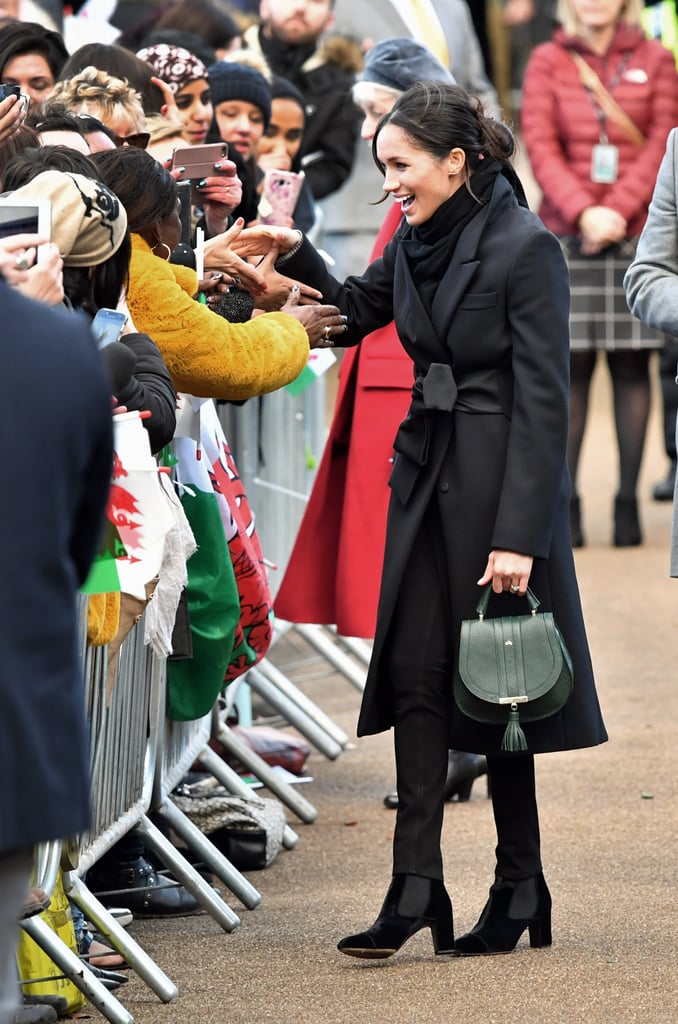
x=420 y=651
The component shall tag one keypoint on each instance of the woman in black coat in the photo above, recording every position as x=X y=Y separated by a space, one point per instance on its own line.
x=479 y=292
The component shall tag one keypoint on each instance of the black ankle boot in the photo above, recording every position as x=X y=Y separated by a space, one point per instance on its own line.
x=576 y=533
x=512 y=907
x=462 y=771
x=626 y=523
x=411 y=903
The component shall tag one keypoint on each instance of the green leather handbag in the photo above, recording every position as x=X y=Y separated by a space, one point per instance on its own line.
x=512 y=668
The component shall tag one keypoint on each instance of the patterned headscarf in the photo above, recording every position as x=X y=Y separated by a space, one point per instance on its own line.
x=174 y=65
x=88 y=220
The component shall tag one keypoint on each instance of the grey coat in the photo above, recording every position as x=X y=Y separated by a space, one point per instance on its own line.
x=651 y=282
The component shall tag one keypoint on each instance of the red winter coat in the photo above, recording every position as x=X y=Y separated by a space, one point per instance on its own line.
x=560 y=126
x=335 y=567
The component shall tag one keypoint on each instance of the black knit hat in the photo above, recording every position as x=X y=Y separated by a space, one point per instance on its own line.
x=230 y=80
x=283 y=89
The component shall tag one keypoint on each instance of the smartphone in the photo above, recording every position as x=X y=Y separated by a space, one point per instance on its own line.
x=7 y=89
x=107 y=326
x=18 y=217
x=279 y=196
x=198 y=163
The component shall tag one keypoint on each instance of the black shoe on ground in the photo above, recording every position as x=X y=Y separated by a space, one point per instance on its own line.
x=663 y=489
x=35 y=1015
x=58 y=1003
x=139 y=887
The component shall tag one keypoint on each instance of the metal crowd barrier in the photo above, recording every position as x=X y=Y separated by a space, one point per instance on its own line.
x=277 y=441
x=180 y=744
x=137 y=757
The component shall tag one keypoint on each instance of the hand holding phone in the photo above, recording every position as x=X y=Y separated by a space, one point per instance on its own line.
x=279 y=196
x=108 y=326
x=195 y=163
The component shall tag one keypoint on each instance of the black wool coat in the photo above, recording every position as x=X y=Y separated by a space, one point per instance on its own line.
x=489 y=446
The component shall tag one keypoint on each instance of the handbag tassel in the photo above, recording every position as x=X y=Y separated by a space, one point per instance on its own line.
x=514 y=737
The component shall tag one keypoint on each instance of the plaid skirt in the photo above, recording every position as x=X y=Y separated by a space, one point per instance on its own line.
x=599 y=314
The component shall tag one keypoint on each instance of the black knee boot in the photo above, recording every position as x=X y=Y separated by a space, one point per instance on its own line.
x=411 y=903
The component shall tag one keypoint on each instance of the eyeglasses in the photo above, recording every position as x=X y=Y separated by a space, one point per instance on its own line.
x=139 y=140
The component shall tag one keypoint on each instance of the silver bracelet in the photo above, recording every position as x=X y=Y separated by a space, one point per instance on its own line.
x=291 y=252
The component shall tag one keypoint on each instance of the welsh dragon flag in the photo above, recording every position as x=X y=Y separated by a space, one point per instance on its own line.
x=229 y=601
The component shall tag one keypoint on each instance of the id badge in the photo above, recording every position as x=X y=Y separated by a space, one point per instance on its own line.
x=604 y=163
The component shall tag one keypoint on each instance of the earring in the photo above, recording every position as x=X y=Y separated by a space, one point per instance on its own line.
x=166 y=246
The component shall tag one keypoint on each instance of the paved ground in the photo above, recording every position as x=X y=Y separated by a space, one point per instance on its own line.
x=609 y=822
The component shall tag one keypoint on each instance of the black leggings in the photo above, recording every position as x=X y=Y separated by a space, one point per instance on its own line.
x=629 y=370
x=420 y=673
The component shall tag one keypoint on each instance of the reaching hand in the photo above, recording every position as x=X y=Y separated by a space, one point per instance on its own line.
x=12 y=114
x=322 y=323
x=220 y=255
x=45 y=280
x=17 y=254
x=281 y=288
x=258 y=240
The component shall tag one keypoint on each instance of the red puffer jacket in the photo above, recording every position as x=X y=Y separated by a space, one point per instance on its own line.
x=560 y=126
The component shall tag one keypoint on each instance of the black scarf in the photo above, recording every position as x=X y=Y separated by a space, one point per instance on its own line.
x=429 y=247
x=284 y=59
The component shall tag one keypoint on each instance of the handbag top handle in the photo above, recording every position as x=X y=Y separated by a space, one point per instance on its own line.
x=481 y=607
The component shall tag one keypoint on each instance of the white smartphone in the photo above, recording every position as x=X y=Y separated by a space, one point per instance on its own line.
x=108 y=326
x=18 y=217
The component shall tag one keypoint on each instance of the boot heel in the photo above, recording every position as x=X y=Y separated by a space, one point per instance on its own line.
x=540 y=932
x=442 y=933
x=463 y=790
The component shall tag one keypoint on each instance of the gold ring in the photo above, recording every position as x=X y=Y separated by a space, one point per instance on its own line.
x=326 y=332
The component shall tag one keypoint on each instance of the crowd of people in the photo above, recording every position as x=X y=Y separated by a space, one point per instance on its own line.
x=472 y=326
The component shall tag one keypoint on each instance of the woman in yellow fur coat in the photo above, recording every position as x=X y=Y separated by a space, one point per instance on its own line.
x=206 y=355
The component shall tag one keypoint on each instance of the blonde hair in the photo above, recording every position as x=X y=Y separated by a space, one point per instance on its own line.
x=92 y=91
x=161 y=128
x=630 y=14
x=364 y=93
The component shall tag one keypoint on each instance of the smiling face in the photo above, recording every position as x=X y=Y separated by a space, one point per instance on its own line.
x=415 y=178
x=296 y=21
x=597 y=14
x=240 y=124
x=194 y=107
x=31 y=72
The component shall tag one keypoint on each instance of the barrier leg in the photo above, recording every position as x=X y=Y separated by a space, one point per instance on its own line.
x=74 y=969
x=188 y=876
x=304 y=703
x=208 y=852
x=360 y=649
x=317 y=638
x=291 y=711
x=304 y=810
x=230 y=780
x=136 y=957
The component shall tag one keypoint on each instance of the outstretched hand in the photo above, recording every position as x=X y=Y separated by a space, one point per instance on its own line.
x=220 y=254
